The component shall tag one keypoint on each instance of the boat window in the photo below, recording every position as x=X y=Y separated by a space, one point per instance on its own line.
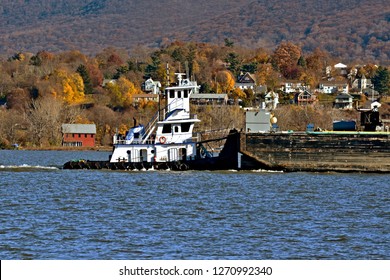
x=172 y=93
x=179 y=94
x=176 y=128
x=143 y=155
x=185 y=93
x=167 y=128
x=185 y=127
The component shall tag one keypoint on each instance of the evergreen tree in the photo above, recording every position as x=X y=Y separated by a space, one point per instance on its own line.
x=234 y=63
x=381 y=80
x=302 y=62
x=82 y=70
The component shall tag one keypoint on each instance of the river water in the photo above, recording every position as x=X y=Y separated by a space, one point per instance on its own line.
x=50 y=213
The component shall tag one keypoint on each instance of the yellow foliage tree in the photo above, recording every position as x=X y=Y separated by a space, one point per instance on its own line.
x=238 y=94
x=121 y=92
x=225 y=81
x=73 y=89
x=68 y=86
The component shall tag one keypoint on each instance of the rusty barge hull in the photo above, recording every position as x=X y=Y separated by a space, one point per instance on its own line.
x=316 y=151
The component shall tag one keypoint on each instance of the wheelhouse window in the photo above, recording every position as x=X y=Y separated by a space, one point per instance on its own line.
x=185 y=127
x=167 y=128
x=179 y=94
x=172 y=93
x=185 y=93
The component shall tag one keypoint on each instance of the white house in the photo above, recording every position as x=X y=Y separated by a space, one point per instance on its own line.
x=246 y=81
x=291 y=86
x=330 y=87
x=151 y=86
x=271 y=100
x=341 y=68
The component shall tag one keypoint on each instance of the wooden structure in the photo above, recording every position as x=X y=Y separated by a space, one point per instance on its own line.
x=78 y=135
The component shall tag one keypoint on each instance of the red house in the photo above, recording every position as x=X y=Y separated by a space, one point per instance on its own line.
x=78 y=135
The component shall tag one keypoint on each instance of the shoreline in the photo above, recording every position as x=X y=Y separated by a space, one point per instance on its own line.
x=60 y=148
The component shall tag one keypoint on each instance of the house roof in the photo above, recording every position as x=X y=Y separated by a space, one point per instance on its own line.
x=246 y=78
x=272 y=94
x=344 y=95
x=333 y=83
x=340 y=65
x=208 y=96
x=79 y=128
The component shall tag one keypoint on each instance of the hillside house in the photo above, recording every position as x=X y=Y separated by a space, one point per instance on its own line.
x=333 y=87
x=209 y=98
x=305 y=98
x=340 y=68
x=271 y=100
x=78 y=135
x=150 y=86
x=292 y=86
x=144 y=97
x=246 y=81
x=343 y=101
x=109 y=81
x=362 y=85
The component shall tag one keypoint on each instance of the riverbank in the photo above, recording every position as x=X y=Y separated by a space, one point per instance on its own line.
x=61 y=148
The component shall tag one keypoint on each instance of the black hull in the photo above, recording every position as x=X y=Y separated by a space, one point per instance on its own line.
x=201 y=164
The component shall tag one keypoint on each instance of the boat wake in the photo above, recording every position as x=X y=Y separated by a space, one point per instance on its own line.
x=266 y=171
x=26 y=167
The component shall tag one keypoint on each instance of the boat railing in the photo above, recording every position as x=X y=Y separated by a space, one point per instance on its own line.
x=150 y=128
x=141 y=141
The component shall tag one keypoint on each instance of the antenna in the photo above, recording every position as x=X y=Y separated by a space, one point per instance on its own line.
x=167 y=75
x=187 y=69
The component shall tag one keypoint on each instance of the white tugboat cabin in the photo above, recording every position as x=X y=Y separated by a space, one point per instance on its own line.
x=168 y=137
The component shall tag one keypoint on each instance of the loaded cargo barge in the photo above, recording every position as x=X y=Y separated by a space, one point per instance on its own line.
x=348 y=148
x=316 y=151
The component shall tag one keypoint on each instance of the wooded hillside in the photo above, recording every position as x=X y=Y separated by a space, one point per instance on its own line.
x=353 y=30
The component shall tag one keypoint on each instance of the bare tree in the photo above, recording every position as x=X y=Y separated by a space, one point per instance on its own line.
x=45 y=121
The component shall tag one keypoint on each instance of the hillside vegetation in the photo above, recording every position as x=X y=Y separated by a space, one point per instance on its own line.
x=39 y=92
x=353 y=30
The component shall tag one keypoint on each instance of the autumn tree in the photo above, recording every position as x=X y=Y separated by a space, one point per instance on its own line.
x=224 y=82
x=71 y=87
x=238 y=93
x=121 y=93
x=316 y=62
x=95 y=75
x=266 y=75
x=286 y=57
x=12 y=127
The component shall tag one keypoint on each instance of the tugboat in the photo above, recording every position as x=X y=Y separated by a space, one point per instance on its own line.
x=167 y=141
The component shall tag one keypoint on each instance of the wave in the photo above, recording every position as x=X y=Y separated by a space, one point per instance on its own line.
x=267 y=171
x=27 y=167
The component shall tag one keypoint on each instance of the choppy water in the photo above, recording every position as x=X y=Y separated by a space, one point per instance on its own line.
x=49 y=213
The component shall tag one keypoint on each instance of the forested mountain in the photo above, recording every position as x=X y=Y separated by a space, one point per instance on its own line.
x=356 y=30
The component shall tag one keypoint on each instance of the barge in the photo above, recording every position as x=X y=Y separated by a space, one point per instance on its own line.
x=345 y=149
